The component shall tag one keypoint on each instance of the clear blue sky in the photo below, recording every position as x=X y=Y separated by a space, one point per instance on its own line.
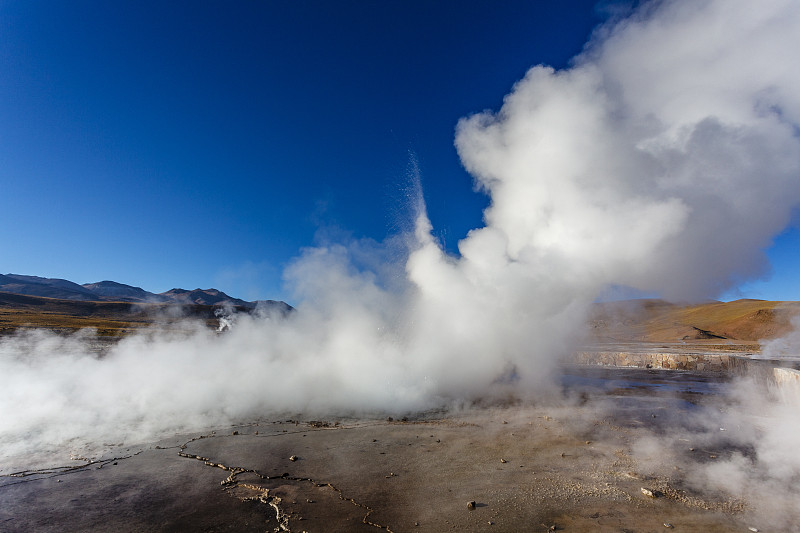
x=200 y=144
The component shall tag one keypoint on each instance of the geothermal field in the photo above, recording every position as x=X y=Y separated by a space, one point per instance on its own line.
x=630 y=435
x=567 y=366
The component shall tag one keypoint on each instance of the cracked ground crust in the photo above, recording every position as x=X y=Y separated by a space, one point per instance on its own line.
x=395 y=476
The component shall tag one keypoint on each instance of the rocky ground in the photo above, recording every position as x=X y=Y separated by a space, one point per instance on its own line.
x=566 y=465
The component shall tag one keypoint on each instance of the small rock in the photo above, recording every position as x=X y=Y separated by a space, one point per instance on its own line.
x=504 y=422
x=374 y=440
x=235 y=433
x=503 y=461
x=416 y=524
x=647 y=492
x=491 y=523
x=753 y=529
x=471 y=505
x=293 y=458
x=668 y=525
x=389 y=419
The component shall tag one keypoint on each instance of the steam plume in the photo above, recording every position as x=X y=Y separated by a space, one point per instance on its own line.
x=664 y=159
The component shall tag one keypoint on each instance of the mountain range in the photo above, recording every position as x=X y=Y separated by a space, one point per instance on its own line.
x=112 y=291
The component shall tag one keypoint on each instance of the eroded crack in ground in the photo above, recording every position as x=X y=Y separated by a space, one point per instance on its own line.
x=44 y=473
x=248 y=484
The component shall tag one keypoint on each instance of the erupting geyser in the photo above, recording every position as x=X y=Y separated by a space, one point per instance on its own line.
x=664 y=159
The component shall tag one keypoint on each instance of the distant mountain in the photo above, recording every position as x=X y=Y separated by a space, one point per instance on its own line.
x=120 y=291
x=47 y=287
x=204 y=297
x=112 y=291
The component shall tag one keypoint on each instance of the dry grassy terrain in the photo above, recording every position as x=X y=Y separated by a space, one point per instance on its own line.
x=743 y=321
x=729 y=324
x=109 y=318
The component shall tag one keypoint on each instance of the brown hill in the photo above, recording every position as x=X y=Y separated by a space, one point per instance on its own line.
x=660 y=321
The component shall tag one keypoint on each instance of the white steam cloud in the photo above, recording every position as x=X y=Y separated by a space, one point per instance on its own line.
x=664 y=159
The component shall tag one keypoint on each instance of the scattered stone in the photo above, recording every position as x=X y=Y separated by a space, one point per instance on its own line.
x=389 y=419
x=588 y=442
x=503 y=461
x=491 y=523
x=471 y=505
x=504 y=422
x=293 y=458
x=235 y=433
x=58 y=481
x=404 y=419
x=668 y=525
x=374 y=440
x=647 y=492
x=310 y=501
x=753 y=529
x=416 y=524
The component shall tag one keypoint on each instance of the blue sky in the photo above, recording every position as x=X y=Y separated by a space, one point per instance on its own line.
x=203 y=144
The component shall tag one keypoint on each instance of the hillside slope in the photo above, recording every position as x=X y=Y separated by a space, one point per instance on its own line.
x=660 y=321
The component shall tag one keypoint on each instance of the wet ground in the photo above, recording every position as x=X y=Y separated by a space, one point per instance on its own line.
x=567 y=464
